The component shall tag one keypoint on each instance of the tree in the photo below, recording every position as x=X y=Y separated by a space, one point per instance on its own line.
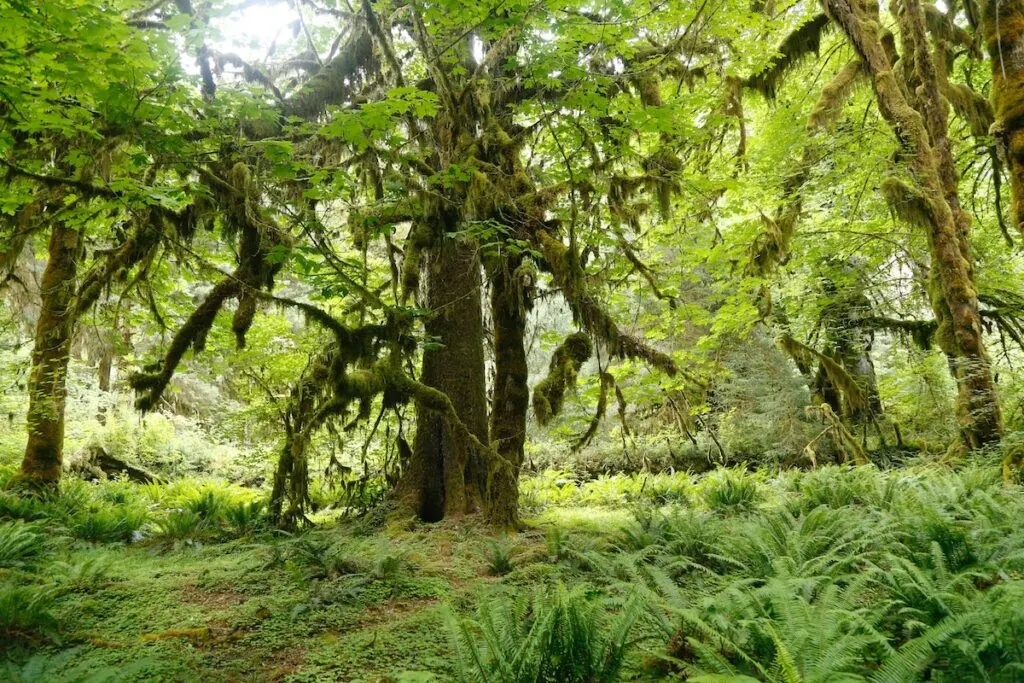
x=910 y=101
x=75 y=149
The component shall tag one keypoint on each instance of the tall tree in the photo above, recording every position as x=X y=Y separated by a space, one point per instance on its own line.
x=75 y=146
x=910 y=100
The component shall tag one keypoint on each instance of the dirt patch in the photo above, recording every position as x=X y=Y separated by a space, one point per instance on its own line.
x=391 y=610
x=283 y=663
x=224 y=599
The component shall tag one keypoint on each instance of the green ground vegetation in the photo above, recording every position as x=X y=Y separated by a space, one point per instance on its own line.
x=834 y=574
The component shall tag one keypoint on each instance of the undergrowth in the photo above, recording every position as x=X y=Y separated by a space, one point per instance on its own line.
x=852 y=574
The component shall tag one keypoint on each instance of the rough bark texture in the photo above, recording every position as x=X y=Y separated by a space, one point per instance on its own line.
x=920 y=125
x=47 y=390
x=509 y=307
x=446 y=477
x=1003 y=30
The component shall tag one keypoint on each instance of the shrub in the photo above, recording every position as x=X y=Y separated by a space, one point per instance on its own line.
x=389 y=565
x=838 y=486
x=62 y=667
x=245 y=517
x=499 y=558
x=182 y=525
x=667 y=489
x=209 y=506
x=26 y=507
x=86 y=575
x=107 y=524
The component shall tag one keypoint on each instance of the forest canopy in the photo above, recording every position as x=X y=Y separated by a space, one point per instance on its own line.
x=334 y=269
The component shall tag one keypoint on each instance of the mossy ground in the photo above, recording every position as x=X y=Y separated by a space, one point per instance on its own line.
x=238 y=611
x=358 y=600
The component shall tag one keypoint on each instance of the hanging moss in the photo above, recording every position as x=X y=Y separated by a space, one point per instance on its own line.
x=648 y=86
x=589 y=313
x=841 y=436
x=662 y=169
x=969 y=106
x=835 y=95
x=335 y=82
x=908 y=203
x=566 y=362
x=920 y=332
x=421 y=236
x=805 y=356
x=242 y=320
x=794 y=49
x=152 y=383
x=607 y=382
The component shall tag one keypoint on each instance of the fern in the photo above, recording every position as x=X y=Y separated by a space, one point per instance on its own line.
x=557 y=635
x=25 y=612
x=62 y=667
x=21 y=544
x=907 y=662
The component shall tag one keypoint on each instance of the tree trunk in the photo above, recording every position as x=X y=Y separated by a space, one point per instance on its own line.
x=105 y=372
x=923 y=131
x=47 y=388
x=1002 y=26
x=445 y=477
x=509 y=307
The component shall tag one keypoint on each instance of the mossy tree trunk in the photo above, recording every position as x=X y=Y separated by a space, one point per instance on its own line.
x=1003 y=30
x=445 y=476
x=917 y=114
x=47 y=389
x=510 y=284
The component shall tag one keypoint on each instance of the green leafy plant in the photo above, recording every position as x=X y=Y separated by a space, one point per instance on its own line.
x=26 y=612
x=730 y=490
x=182 y=525
x=21 y=545
x=500 y=557
x=209 y=506
x=555 y=635
x=85 y=575
x=25 y=507
x=65 y=667
x=107 y=524
x=245 y=517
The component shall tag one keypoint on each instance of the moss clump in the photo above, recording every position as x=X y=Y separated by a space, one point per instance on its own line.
x=569 y=357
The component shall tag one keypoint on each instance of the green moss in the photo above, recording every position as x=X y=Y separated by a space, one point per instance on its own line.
x=566 y=362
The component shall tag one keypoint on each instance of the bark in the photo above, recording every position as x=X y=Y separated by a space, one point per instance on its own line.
x=509 y=308
x=105 y=372
x=446 y=477
x=1002 y=27
x=106 y=367
x=921 y=127
x=44 y=452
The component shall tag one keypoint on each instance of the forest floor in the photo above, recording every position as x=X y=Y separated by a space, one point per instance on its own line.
x=340 y=608
x=334 y=604
x=908 y=574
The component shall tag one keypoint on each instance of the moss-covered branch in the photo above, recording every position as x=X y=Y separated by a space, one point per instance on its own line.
x=589 y=313
x=568 y=358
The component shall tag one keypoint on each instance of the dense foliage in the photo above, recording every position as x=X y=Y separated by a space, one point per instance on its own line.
x=511 y=341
